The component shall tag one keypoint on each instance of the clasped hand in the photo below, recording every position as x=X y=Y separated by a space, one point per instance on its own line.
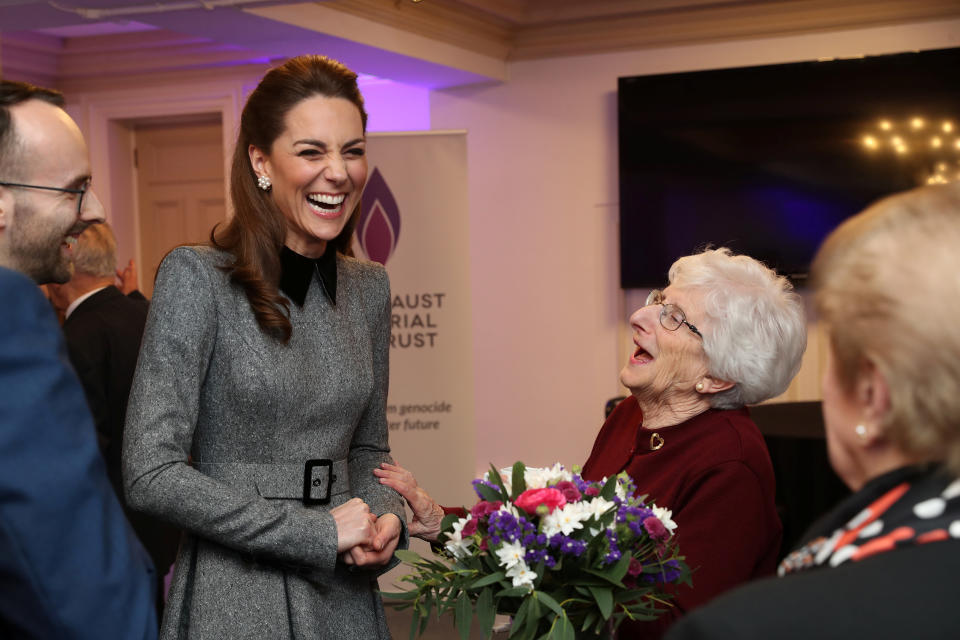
x=364 y=539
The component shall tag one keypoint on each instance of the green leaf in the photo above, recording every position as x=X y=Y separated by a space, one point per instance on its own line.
x=489 y=494
x=609 y=489
x=589 y=619
x=563 y=629
x=512 y=592
x=497 y=480
x=401 y=595
x=533 y=616
x=464 y=615
x=520 y=617
x=486 y=613
x=620 y=569
x=518 y=483
x=415 y=624
x=604 y=599
x=410 y=557
x=548 y=600
x=488 y=580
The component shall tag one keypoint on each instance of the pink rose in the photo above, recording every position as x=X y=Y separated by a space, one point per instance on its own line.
x=469 y=528
x=531 y=499
x=484 y=508
x=592 y=491
x=569 y=490
x=655 y=528
x=635 y=568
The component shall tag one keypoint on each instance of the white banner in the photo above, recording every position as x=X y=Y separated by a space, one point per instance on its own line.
x=415 y=221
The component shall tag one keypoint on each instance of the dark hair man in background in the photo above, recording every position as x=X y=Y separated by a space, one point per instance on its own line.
x=70 y=565
x=103 y=328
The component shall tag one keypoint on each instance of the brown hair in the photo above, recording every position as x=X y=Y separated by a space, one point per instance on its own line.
x=255 y=234
x=886 y=290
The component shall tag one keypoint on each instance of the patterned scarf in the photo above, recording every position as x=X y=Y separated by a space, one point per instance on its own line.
x=909 y=506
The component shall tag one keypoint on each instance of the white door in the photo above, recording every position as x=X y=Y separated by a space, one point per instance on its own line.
x=180 y=183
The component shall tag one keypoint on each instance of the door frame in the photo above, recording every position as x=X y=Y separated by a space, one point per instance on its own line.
x=102 y=115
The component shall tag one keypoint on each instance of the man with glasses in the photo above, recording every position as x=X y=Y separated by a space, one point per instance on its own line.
x=70 y=566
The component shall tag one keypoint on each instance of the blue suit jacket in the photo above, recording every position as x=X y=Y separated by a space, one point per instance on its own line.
x=70 y=566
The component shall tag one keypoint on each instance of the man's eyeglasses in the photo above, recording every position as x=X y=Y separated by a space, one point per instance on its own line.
x=81 y=191
x=671 y=316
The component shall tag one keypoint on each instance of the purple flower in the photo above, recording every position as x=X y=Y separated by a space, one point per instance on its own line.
x=614 y=554
x=669 y=571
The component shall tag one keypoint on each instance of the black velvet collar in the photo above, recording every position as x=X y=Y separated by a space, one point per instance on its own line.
x=296 y=273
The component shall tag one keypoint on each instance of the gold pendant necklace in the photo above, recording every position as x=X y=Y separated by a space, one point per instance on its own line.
x=656 y=441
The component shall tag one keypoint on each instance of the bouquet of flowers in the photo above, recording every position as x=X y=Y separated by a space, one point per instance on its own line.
x=565 y=558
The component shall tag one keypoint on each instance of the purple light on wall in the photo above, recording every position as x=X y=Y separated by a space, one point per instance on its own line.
x=378 y=228
x=394 y=106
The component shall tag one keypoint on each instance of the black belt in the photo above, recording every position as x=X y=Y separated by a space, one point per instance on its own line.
x=314 y=481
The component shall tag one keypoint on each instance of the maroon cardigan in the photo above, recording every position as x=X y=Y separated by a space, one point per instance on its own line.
x=714 y=472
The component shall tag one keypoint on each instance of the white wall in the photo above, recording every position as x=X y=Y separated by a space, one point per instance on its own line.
x=549 y=317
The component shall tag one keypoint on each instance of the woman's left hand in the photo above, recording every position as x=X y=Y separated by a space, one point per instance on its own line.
x=385 y=540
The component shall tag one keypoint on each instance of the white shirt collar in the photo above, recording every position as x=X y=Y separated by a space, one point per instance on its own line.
x=76 y=303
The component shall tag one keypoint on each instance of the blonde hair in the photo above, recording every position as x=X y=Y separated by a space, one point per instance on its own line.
x=95 y=253
x=887 y=290
x=757 y=332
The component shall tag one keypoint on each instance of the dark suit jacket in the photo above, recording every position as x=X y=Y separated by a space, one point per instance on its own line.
x=103 y=338
x=906 y=593
x=70 y=566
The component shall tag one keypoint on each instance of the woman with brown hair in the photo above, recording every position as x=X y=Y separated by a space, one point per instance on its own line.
x=258 y=408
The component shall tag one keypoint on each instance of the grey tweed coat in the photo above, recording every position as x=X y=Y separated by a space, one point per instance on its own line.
x=221 y=421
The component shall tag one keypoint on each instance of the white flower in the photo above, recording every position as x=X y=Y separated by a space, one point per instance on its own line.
x=598 y=506
x=665 y=516
x=566 y=519
x=537 y=477
x=521 y=574
x=511 y=554
x=621 y=490
x=455 y=544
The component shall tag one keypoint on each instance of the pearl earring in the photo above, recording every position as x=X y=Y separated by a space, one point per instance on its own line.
x=861 y=431
x=699 y=386
x=264 y=183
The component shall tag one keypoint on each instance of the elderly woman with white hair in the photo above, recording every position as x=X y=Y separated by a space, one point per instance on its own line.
x=883 y=563
x=726 y=332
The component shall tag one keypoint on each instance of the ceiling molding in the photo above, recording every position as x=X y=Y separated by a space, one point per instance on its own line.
x=533 y=29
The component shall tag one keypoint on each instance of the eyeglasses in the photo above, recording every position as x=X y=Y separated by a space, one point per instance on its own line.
x=81 y=191
x=671 y=316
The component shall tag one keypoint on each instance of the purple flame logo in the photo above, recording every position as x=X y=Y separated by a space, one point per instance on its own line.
x=378 y=228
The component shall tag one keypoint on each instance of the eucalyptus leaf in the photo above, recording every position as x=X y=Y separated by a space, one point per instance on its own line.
x=589 y=619
x=488 y=580
x=518 y=484
x=520 y=617
x=497 y=480
x=488 y=494
x=414 y=626
x=410 y=557
x=548 y=600
x=464 y=615
x=604 y=599
x=609 y=489
x=486 y=612
x=563 y=629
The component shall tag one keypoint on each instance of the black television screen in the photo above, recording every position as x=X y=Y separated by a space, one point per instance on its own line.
x=768 y=160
